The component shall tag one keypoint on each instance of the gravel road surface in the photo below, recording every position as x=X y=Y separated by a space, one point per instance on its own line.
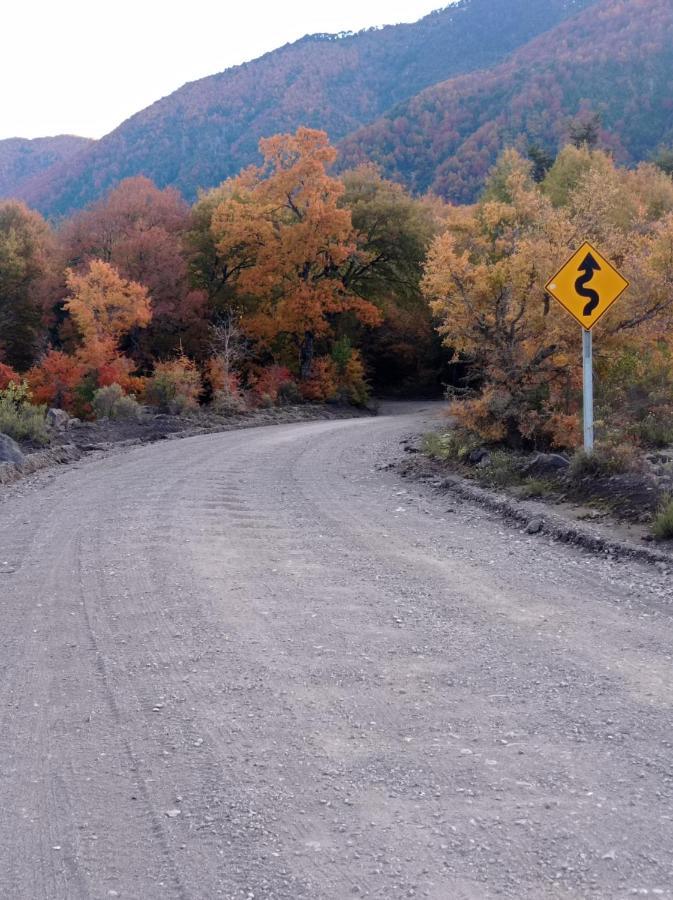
x=257 y=665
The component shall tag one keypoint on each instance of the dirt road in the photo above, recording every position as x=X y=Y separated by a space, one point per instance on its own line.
x=257 y=665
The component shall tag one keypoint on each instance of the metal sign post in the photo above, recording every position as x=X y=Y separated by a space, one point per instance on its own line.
x=587 y=286
x=588 y=361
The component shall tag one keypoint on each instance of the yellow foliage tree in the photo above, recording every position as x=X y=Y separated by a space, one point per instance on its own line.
x=104 y=305
x=485 y=279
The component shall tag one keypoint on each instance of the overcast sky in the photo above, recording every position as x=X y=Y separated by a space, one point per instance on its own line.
x=83 y=66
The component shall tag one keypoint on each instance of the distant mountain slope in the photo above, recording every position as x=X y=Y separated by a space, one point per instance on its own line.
x=210 y=129
x=615 y=58
x=21 y=159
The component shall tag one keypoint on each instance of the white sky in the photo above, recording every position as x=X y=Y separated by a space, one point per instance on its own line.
x=83 y=66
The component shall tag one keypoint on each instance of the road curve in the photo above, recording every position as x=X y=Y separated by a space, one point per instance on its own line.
x=257 y=665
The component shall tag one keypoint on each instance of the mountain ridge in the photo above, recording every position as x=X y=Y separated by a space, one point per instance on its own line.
x=614 y=59
x=21 y=159
x=210 y=128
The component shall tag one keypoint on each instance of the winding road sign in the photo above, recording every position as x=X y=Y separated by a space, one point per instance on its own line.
x=587 y=286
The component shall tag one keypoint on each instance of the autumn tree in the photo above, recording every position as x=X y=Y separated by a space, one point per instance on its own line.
x=104 y=305
x=26 y=261
x=140 y=230
x=485 y=278
x=285 y=243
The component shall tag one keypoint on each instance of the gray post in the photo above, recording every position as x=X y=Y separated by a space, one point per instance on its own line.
x=588 y=360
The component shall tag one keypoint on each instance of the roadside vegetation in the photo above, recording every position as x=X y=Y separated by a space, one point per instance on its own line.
x=662 y=527
x=21 y=419
x=522 y=393
x=288 y=284
x=284 y=285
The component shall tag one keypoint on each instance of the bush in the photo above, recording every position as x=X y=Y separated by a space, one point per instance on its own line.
x=71 y=382
x=273 y=384
x=535 y=487
x=19 y=419
x=223 y=388
x=662 y=527
x=229 y=403
x=635 y=390
x=175 y=386
x=503 y=470
x=655 y=430
x=353 y=381
x=605 y=460
x=56 y=379
x=350 y=371
x=323 y=381
x=288 y=394
x=110 y=402
x=456 y=444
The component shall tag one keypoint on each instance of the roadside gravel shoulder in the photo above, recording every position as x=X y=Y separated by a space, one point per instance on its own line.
x=537 y=516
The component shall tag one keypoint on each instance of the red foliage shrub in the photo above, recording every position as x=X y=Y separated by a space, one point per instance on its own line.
x=269 y=383
x=55 y=380
x=7 y=375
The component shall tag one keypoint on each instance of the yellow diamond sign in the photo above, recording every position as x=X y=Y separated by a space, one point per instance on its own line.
x=587 y=286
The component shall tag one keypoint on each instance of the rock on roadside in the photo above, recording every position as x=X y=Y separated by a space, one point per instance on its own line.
x=14 y=471
x=10 y=452
x=58 y=419
x=546 y=464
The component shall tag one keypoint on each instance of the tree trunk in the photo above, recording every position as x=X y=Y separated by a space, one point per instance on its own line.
x=306 y=356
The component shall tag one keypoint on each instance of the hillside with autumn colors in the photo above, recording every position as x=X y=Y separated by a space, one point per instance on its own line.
x=209 y=129
x=611 y=65
x=21 y=159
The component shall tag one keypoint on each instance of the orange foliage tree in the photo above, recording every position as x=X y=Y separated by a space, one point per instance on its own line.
x=104 y=305
x=104 y=308
x=287 y=243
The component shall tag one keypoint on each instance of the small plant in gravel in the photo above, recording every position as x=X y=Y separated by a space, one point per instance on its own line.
x=19 y=419
x=662 y=527
x=111 y=403
x=455 y=445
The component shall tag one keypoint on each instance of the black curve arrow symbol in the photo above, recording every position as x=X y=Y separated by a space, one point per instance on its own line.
x=588 y=267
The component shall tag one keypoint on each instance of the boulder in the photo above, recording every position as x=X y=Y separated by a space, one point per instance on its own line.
x=548 y=464
x=481 y=455
x=58 y=419
x=10 y=452
x=535 y=526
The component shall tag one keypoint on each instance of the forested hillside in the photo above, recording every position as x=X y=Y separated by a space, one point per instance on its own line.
x=209 y=129
x=22 y=159
x=612 y=64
